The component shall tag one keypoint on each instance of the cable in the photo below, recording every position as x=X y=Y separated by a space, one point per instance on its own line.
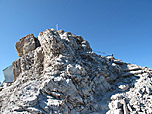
x=103 y=53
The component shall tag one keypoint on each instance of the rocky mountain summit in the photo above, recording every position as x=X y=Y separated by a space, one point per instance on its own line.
x=58 y=73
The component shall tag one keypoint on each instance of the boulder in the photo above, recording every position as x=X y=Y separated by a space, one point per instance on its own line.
x=26 y=44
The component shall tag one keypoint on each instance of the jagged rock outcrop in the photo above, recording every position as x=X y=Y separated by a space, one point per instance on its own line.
x=58 y=73
x=26 y=44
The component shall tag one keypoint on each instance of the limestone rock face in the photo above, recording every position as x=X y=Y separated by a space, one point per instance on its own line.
x=58 y=73
x=17 y=69
x=26 y=44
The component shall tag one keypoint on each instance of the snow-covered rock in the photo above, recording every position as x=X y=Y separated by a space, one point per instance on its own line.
x=58 y=73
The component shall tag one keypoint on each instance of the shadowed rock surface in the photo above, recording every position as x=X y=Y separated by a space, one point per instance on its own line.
x=58 y=73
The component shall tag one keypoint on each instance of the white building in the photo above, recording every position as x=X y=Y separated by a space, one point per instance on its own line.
x=8 y=74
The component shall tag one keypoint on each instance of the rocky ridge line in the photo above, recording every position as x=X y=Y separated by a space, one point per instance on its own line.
x=58 y=73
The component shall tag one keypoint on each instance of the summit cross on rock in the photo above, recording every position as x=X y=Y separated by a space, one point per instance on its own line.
x=57 y=27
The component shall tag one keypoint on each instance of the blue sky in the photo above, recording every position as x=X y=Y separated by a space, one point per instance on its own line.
x=121 y=27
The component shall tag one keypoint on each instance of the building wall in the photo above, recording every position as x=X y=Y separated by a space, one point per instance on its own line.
x=8 y=74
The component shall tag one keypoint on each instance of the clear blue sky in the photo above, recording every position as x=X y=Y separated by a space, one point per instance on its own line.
x=121 y=27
